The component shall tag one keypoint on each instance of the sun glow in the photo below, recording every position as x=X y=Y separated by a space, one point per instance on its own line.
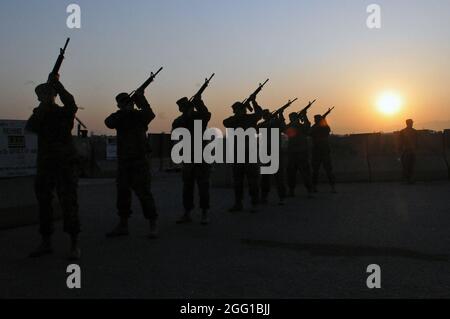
x=389 y=103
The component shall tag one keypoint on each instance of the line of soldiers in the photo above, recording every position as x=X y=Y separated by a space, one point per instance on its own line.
x=298 y=130
x=57 y=158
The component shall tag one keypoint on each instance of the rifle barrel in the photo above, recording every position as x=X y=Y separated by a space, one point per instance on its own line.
x=67 y=43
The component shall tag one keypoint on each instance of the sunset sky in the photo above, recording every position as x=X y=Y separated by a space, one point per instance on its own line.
x=308 y=49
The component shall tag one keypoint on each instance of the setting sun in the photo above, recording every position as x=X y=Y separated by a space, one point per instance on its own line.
x=389 y=103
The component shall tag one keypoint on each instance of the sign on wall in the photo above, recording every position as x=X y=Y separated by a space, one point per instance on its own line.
x=111 y=148
x=18 y=149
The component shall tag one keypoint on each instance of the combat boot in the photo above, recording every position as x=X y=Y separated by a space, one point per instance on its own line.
x=255 y=204
x=264 y=200
x=120 y=230
x=205 y=218
x=185 y=219
x=45 y=248
x=75 y=251
x=153 y=234
x=236 y=208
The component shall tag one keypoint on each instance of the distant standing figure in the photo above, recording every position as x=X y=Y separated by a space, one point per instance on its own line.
x=133 y=172
x=408 y=146
x=56 y=163
x=321 y=155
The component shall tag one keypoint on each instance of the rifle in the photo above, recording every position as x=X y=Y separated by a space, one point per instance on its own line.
x=327 y=113
x=146 y=83
x=60 y=59
x=284 y=107
x=306 y=108
x=203 y=88
x=253 y=95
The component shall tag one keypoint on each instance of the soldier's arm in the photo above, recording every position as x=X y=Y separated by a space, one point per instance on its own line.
x=306 y=120
x=179 y=122
x=67 y=99
x=112 y=121
x=146 y=113
x=202 y=110
x=306 y=126
x=258 y=111
x=229 y=122
x=282 y=123
x=35 y=120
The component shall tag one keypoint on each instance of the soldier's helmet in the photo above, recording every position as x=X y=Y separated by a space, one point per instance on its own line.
x=318 y=118
x=44 y=89
x=184 y=104
x=238 y=106
x=293 y=116
x=122 y=99
x=266 y=114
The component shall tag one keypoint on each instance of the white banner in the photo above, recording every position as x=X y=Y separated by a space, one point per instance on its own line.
x=18 y=149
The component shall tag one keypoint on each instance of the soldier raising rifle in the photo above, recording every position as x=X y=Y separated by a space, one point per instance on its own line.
x=274 y=120
x=56 y=160
x=241 y=119
x=298 y=156
x=194 y=110
x=133 y=173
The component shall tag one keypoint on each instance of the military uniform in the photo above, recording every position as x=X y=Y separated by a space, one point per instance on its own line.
x=278 y=177
x=56 y=162
x=298 y=155
x=248 y=170
x=193 y=173
x=321 y=154
x=408 y=145
x=133 y=150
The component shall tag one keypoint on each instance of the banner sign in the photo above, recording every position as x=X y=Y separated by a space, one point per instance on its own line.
x=18 y=149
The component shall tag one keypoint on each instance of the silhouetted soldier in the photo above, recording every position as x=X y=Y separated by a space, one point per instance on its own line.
x=56 y=163
x=133 y=173
x=273 y=122
x=408 y=146
x=320 y=133
x=248 y=170
x=199 y=173
x=298 y=156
